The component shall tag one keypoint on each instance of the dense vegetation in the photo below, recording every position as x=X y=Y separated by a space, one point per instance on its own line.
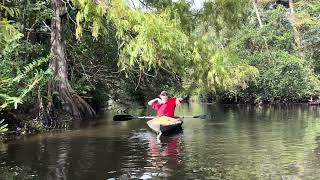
x=76 y=56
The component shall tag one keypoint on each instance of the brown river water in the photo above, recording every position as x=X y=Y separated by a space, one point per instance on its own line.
x=235 y=142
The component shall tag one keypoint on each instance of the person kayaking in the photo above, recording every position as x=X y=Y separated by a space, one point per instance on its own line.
x=165 y=105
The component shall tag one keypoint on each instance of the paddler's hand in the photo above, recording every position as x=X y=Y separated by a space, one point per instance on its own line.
x=160 y=101
x=178 y=100
x=155 y=100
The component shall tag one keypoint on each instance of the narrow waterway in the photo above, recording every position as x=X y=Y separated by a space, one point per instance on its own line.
x=235 y=142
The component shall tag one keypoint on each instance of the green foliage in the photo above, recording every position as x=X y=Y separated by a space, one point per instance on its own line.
x=287 y=77
x=3 y=127
x=180 y=10
x=219 y=14
x=136 y=52
x=151 y=40
x=154 y=40
x=18 y=76
x=8 y=11
x=27 y=79
x=90 y=13
x=148 y=40
x=8 y=34
x=217 y=68
x=283 y=74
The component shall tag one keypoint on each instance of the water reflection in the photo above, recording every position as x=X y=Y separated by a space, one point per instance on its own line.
x=162 y=157
x=165 y=155
x=238 y=142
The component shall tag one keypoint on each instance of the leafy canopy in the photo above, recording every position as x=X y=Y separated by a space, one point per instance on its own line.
x=155 y=39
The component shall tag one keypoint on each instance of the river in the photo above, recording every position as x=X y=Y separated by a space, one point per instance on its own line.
x=235 y=142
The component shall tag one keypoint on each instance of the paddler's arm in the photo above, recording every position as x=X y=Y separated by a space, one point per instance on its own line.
x=178 y=101
x=153 y=101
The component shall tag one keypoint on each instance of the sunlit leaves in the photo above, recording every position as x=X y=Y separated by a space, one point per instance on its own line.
x=30 y=77
x=8 y=11
x=3 y=127
x=8 y=34
x=14 y=86
x=91 y=12
x=153 y=40
x=287 y=76
x=7 y=100
x=221 y=13
x=283 y=74
x=221 y=69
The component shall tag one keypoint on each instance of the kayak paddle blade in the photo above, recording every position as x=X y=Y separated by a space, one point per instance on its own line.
x=122 y=117
x=204 y=116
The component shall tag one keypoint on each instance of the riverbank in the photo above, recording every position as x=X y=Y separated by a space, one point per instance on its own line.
x=25 y=122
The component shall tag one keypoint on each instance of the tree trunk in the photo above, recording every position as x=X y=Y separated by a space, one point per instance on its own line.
x=255 y=7
x=296 y=33
x=69 y=101
x=257 y=12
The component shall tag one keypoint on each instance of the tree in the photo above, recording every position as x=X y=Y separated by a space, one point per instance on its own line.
x=296 y=33
x=27 y=76
x=154 y=39
x=58 y=64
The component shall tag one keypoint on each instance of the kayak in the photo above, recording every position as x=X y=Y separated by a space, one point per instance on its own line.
x=165 y=125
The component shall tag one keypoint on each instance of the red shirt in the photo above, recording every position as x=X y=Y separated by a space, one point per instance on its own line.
x=166 y=109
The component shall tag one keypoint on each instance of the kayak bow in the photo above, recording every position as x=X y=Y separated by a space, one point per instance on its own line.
x=165 y=125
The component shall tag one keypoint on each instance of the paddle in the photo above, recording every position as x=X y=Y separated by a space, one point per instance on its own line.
x=199 y=116
x=130 y=117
